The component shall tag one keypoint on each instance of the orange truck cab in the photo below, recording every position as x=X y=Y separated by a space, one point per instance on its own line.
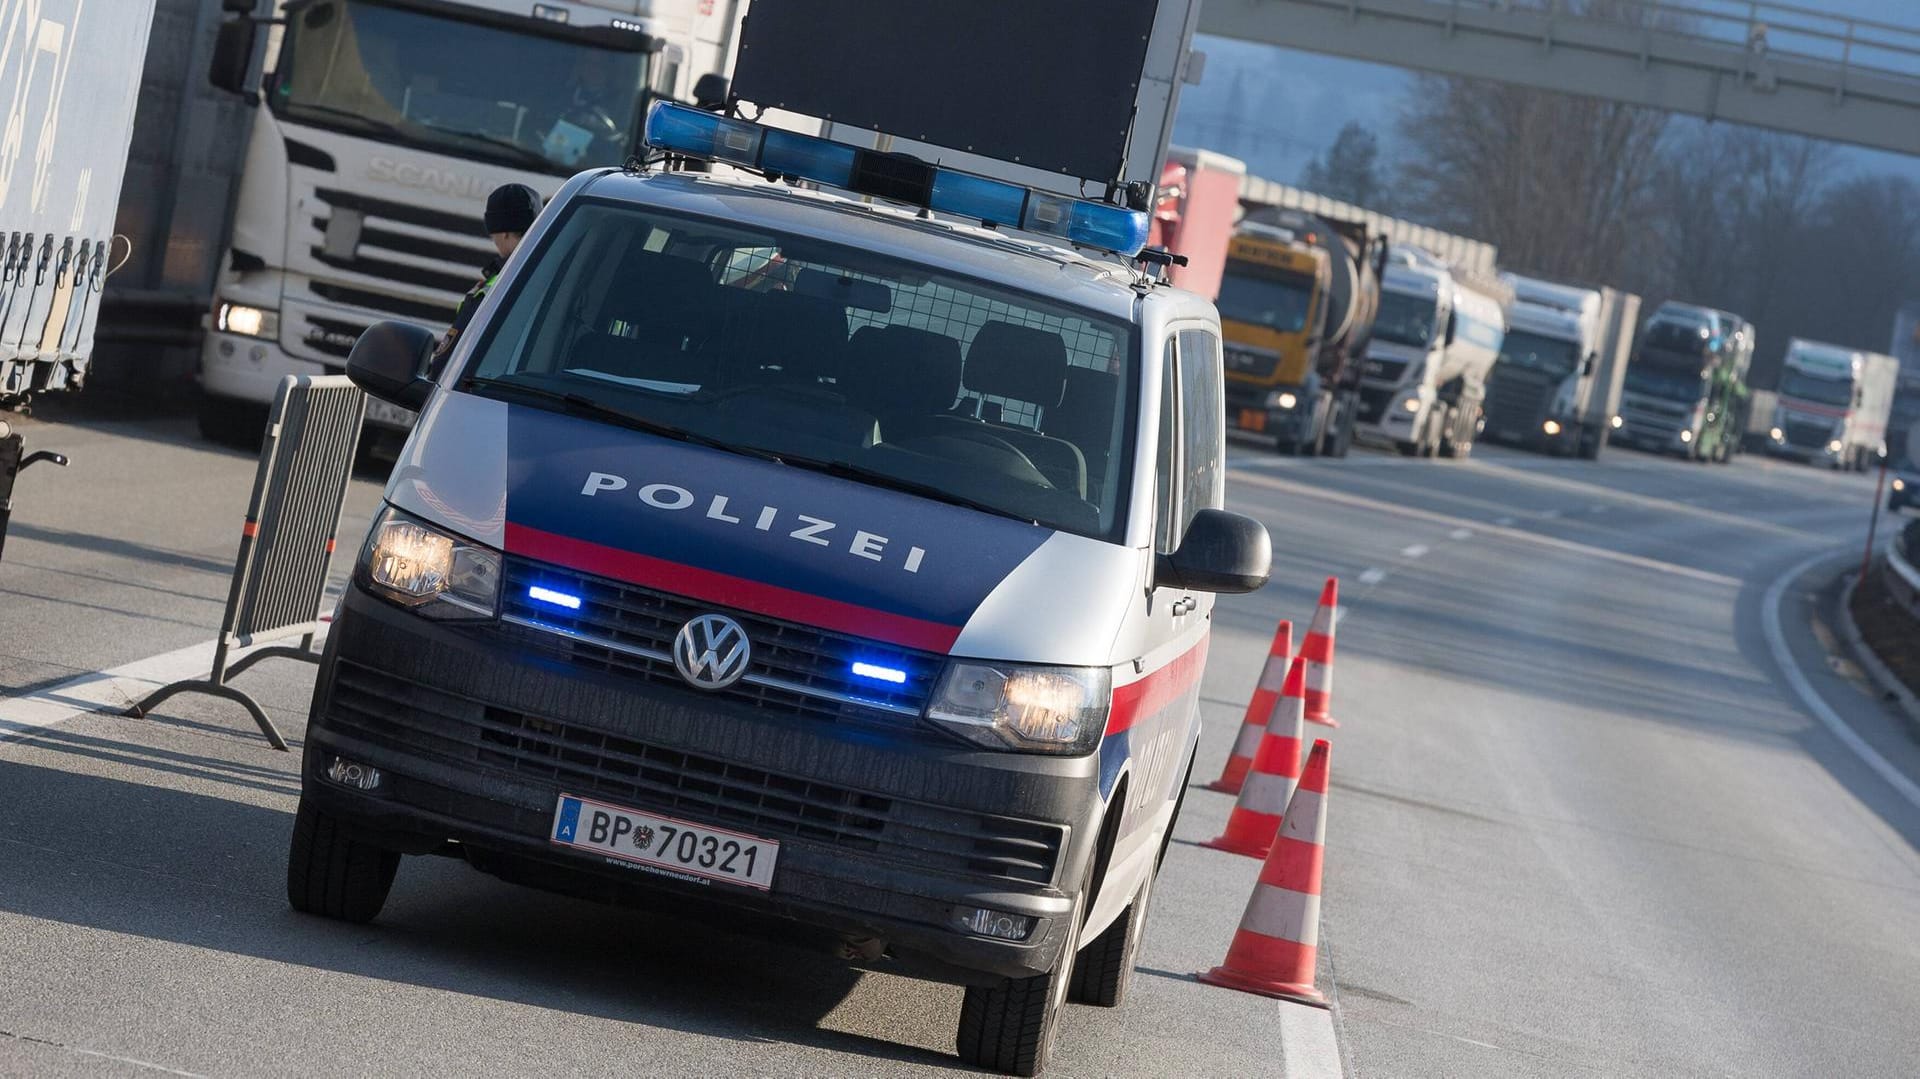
x=1271 y=299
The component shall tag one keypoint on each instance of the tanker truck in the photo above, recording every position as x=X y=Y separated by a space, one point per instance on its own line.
x=1435 y=340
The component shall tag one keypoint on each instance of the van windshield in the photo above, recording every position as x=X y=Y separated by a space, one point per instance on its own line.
x=824 y=357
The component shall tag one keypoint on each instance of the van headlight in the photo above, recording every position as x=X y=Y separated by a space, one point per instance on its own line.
x=1013 y=706
x=438 y=574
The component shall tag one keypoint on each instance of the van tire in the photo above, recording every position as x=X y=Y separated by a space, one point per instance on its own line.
x=1104 y=968
x=1010 y=1028
x=334 y=875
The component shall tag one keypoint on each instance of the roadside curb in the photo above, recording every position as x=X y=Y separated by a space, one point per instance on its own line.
x=1890 y=688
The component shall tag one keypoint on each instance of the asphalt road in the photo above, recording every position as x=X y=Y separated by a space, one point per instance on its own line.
x=1581 y=821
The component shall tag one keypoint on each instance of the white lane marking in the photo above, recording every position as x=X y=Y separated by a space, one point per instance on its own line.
x=1783 y=658
x=1460 y=534
x=1414 y=550
x=1308 y=1048
x=1549 y=514
x=1503 y=522
x=1372 y=576
x=1554 y=542
x=106 y=691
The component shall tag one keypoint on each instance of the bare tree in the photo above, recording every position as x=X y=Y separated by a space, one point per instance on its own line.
x=1350 y=170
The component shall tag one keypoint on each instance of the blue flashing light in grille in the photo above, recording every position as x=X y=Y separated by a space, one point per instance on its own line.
x=698 y=133
x=557 y=599
x=878 y=673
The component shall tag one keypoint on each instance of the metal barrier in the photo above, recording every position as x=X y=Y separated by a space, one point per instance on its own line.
x=1903 y=570
x=287 y=542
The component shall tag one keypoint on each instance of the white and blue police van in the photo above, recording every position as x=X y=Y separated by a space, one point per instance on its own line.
x=767 y=550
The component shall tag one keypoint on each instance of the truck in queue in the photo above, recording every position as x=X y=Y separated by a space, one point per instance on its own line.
x=833 y=546
x=1297 y=304
x=1686 y=391
x=1833 y=405
x=1194 y=213
x=74 y=73
x=378 y=129
x=1556 y=387
x=1435 y=340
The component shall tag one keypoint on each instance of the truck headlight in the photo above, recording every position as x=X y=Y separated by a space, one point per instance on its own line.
x=1686 y=436
x=1411 y=404
x=1551 y=427
x=246 y=321
x=1619 y=422
x=1013 y=706
x=1284 y=401
x=440 y=575
x=1899 y=484
x=1777 y=435
x=1834 y=446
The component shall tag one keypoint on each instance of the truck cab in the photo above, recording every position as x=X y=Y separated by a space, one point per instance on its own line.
x=773 y=555
x=1832 y=405
x=1272 y=302
x=1435 y=341
x=1686 y=389
x=1556 y=388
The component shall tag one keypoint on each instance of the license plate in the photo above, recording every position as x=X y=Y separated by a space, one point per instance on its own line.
x=663 y=843
x=1252 y=419
x=384 y=414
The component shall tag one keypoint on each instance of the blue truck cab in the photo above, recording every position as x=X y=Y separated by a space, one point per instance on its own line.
x=774 y=556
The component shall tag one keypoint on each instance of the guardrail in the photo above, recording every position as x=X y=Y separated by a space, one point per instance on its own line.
x=1903 y=575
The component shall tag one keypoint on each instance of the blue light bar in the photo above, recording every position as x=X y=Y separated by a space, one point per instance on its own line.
x=558 y=599
x=879 y=673
x=698 y=133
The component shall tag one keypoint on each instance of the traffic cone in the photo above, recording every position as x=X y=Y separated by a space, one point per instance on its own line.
x=1317 y=649
x=1253 y=725
x=1274 y=950
x=1276 y=768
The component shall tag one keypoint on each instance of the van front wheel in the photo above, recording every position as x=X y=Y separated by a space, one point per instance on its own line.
x=1105 y=965
x=1010 y=1028
x=334 y=875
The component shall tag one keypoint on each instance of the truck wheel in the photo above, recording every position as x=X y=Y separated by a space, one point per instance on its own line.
x=1408 y=449
x=1010 y=1028
x=1341 y=439
x=332 y=874
x=228 y=422
x=1104 y=968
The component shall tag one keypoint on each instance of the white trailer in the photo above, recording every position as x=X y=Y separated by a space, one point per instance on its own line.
x=1557 y=386
x=380 y=127
x=1435 y=340
x=1833 y=405
x=70 y=74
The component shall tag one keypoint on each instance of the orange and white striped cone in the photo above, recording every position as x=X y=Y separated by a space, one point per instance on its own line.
x=1253 y=725
x=1274 y=951
x=1276 y=768
x=1317 y=650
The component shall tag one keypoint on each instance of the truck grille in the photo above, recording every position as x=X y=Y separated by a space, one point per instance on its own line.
x=1373 y=402
x=1807 y=434
x=794 y=669
x=581 y=759
x=430 y=257
x=1517 y=401
x=1250 y=364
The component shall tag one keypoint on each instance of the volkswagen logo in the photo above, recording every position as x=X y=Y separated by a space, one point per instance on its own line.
x=711 y=652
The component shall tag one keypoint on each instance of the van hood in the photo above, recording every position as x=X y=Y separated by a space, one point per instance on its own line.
x=713 y=526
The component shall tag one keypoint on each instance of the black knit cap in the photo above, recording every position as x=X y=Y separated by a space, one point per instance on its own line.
x=512 y=208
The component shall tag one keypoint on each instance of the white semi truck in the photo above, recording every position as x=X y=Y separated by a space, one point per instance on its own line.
x=380 y=127
x=1435 y=340
x=1556 y=388
x=1833 y=405
x=69 y=76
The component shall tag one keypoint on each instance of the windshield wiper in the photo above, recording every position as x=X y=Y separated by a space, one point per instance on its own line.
x=579 y=404
x=367 y=123
x=847 y=470
x=532 y=158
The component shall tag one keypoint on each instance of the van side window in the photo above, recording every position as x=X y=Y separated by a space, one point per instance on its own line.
x=1167 y=524
x=1201 y=406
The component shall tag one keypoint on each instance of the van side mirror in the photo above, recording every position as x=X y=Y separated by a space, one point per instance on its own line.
x=390 y=362
x=1221 y=552
x=232 y=56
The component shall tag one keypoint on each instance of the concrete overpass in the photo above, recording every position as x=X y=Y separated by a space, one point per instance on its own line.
x=1790 y=69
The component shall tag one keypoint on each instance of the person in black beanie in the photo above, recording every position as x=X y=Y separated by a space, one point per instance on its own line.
x=511 y=209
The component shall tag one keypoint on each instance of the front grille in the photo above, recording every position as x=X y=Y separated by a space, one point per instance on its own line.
x=331 y=336
x=794 y=669
x=1807 y=434
x=1250 y=364
x=429 y=256
x=1517 y=401
x=580 y=759
x=1373 y=402
x=392 y=305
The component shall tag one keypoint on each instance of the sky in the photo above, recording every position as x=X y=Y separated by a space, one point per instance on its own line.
x=1276 y=109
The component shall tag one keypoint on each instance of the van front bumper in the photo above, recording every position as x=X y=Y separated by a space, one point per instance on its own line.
x=882 y=837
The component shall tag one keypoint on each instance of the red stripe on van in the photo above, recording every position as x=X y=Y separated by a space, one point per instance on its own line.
x=1143 y=697
x=726 y=590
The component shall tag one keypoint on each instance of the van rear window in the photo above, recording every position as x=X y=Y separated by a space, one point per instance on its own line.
x=824 y=356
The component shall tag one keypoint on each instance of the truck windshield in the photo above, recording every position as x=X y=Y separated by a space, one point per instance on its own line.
x=536 y=96
x=1820 y=390
x=826 y=357
x=1404 y=319
x=1689 y=338
x=1547 y=355
x=1278 y=303
x=1669 y=383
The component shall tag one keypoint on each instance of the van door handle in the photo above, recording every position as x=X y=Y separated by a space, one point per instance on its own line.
x=1184 y=605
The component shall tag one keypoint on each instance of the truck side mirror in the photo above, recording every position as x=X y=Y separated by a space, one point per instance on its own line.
x=389 y=361
x=232 y=56
x=710 y=91
x=1221 y=552
x=1586 y=367
x=1451 y=327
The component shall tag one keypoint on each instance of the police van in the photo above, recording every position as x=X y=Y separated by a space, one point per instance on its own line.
x=766 y=549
